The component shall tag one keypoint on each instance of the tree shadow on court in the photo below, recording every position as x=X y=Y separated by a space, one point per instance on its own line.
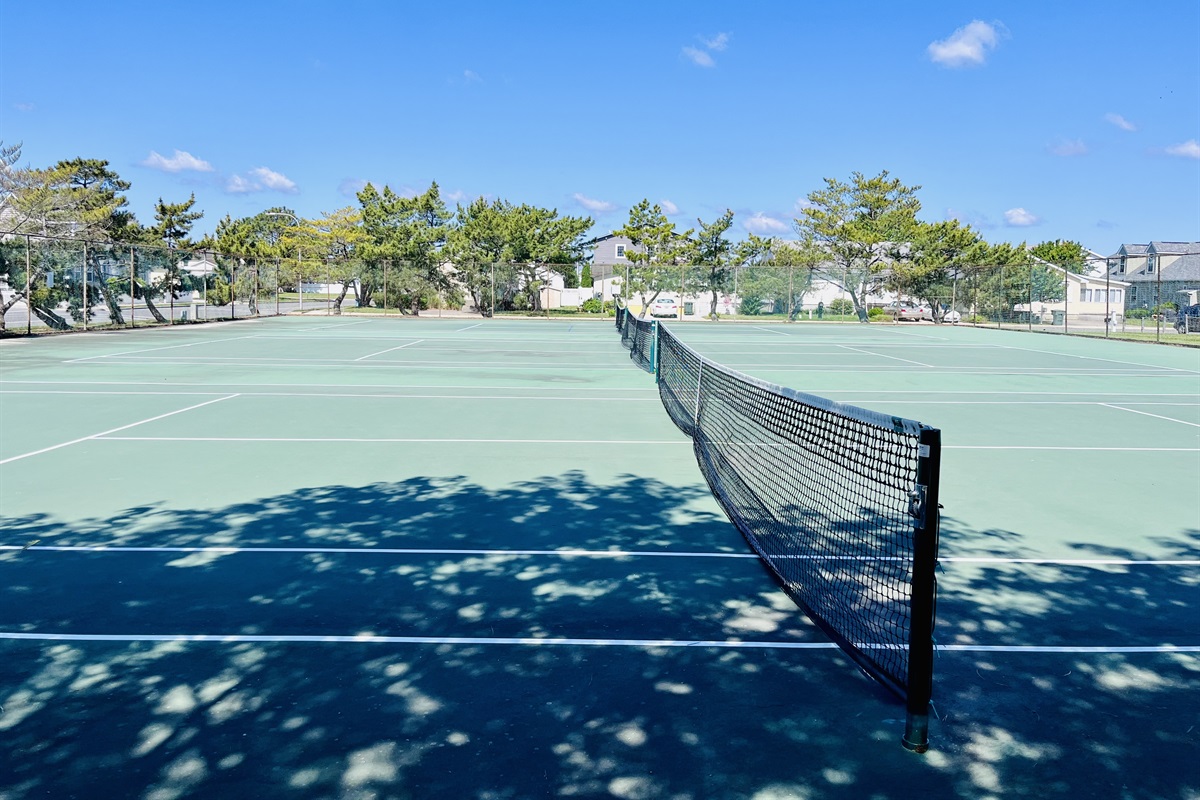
x=170 y=719
x=1105 y=722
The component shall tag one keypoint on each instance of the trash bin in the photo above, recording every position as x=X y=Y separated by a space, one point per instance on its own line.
x=689 y=309
x=1058 y=317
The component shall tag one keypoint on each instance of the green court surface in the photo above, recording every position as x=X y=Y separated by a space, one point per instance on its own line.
x=342 y=557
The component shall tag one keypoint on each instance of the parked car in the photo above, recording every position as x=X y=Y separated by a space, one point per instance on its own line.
x=906 y=310
x=1188 y=319
x=946 y=314
x=664 y=307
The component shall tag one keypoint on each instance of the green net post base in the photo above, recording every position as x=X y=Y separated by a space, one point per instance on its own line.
x=916 y=733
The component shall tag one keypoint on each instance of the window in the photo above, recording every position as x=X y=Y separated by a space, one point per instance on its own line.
x=620 y=251
x=1114 y=295
x=1121 y=265
x=1085 y=294
x=1150 y=259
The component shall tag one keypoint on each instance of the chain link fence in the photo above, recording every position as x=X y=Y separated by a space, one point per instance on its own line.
x=48 y=283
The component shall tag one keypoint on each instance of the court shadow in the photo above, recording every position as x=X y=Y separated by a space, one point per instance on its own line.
x=427 y=717
x=271 y=716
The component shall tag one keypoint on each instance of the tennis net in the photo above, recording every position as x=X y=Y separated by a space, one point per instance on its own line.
x=840 y=503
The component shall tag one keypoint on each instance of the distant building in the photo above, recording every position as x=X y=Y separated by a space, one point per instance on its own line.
x=1158 y=273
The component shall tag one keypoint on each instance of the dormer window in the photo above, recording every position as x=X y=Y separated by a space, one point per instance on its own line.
x=1121 y=266
x=1150 y=261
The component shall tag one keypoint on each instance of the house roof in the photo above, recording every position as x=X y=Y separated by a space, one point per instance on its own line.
x=1175 y=248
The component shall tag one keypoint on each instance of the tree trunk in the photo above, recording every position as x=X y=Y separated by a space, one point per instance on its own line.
x=158 y=317
x=51 y=318
x=337 y=304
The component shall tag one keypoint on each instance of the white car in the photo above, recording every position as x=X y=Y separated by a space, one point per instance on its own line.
x=948 y=314
x=664 y=307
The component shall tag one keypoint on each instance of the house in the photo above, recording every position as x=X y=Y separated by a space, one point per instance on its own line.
x=1158 y=273
x=1087 y=297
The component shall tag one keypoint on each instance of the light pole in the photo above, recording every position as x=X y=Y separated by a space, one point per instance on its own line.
x=299 y=252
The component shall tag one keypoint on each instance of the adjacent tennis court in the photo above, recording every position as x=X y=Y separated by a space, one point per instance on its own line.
x=348 y=557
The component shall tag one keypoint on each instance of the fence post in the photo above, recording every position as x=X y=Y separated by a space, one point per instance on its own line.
x=132 y=288
x=28 y=287
x=84 y=309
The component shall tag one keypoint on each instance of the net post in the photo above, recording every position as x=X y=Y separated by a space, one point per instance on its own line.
x=654 y=349
x=924 y=507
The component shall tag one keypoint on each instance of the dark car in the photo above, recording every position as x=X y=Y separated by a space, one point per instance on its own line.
x=1188 y=319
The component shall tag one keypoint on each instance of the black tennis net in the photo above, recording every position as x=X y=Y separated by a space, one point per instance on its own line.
x=840 y=502
x=639 y=337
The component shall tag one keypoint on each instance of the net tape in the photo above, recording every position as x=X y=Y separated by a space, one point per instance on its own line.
x=822 y=491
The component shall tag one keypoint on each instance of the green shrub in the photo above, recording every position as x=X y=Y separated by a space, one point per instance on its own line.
x=874 y=313
x=842 y=305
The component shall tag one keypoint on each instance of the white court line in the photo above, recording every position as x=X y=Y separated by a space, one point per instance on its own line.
x=573 y=553
x=156 y=349
x=349 y=396
x=768 y=330
x=532 y=641
x=343 y=363
x=95 y=436
x=469 y=327
x=331 y=325
x=308 y=440
x=300 y=440
x=885 y=355
x=814 y=390
x=1148 y=414
x=1097 y=358
x=390 y=349
x=1051 y=447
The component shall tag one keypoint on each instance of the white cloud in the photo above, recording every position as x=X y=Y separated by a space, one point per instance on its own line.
x=239 y=185
x=24 y=108
x=1188 y=149
x=669 y=208
x=597 y=206
x=1020 y=218
x=457 y=196
x=179 y=162
x=470 y=76
x=274 y=180
x=1069 y=147
x=967 y=46
x=761 y=224
x=698 y=57
x=1120 y=122
x=718 y=42
x=801 y=204
x=261 y=179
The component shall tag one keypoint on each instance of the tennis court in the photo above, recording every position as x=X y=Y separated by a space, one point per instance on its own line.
x=347 y=557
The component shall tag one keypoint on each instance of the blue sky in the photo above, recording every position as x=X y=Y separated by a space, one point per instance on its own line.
x=1031 y=121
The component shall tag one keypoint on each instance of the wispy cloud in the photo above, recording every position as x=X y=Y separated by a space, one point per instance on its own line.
x=972 y=218
x=470 y=76
x=698 y=57
x=1104 y=224
x=668 y=207
x=761 y=224
x=802 y=203
x=261 y=179
x=1069 y=147
x=349 y=187
x=457 y=196
x=595 y=206
x=1020 y=218
x=24 y=108
x=180 y=162
x=701 y=58
x=1120 y=122
x=1188 y=149
x=968 y=46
